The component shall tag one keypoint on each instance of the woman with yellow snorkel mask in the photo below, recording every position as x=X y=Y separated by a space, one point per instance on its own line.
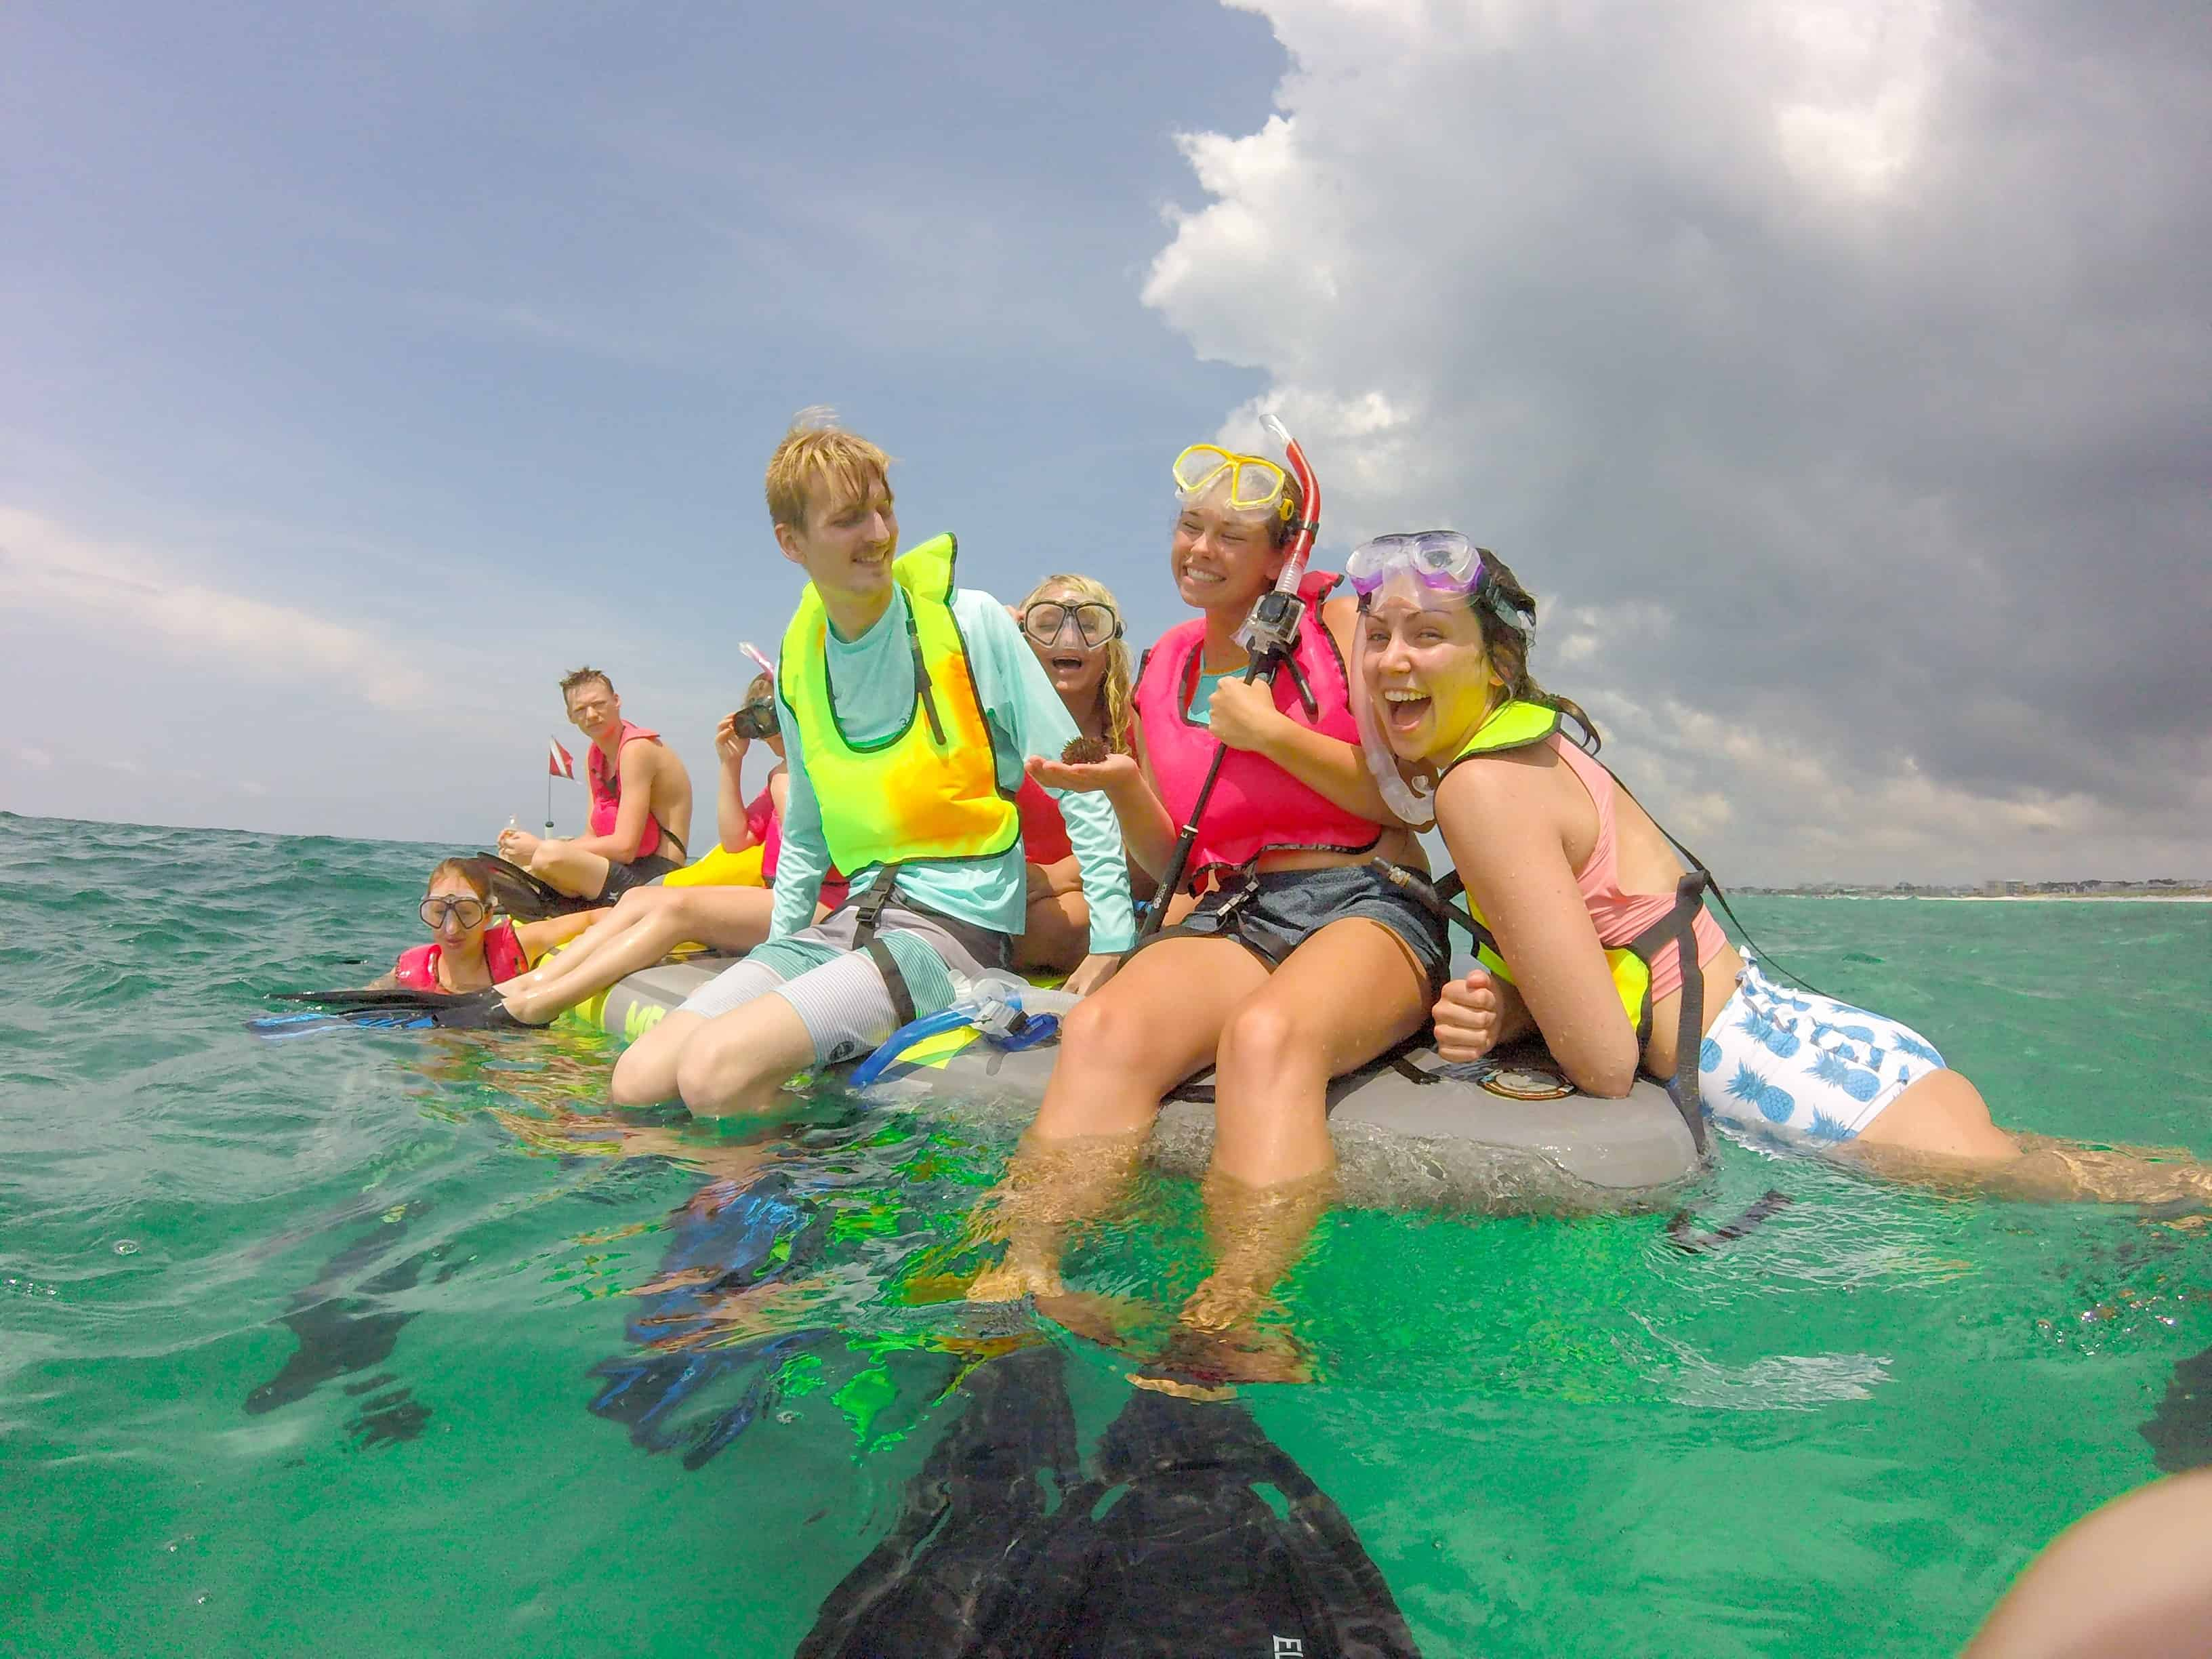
x=1294 y=959
x=1588 y=908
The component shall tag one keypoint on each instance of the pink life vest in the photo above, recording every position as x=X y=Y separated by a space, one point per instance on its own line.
x=1044 y=831
x=766 y=827
x=606 y=790
x=1256 y=807
x=417 y=968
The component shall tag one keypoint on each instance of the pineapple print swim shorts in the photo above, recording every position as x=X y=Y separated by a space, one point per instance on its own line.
x=1796 y=1069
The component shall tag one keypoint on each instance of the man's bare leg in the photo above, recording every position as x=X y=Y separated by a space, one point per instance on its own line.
x=739 y=1062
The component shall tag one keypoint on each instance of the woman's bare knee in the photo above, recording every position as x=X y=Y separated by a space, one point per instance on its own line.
x=1267 y=1044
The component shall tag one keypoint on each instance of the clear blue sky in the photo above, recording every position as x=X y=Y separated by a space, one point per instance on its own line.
x=363 y=369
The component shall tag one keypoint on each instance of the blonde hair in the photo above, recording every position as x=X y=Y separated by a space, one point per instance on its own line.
x=1117 y=689
x=817 y=458
x=576 y=677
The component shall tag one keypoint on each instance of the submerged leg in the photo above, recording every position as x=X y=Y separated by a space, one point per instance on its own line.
x=2134 y=1578
x=1351 y=992
x=1156 y=1021
x=1938 y=1134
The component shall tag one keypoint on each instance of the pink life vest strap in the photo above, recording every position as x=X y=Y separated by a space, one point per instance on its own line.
x=504 y=957
x=605 y=782
x=1256 y=807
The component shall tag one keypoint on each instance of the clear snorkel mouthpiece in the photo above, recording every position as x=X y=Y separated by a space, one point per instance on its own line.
x=1412 y=801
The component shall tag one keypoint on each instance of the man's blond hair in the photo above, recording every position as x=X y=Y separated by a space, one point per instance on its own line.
x=819 y=462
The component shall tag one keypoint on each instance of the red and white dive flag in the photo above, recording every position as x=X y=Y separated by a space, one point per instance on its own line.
x=560 y=763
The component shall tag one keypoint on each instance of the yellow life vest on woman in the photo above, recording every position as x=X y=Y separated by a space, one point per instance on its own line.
x=1521 y=725
x=929 y=790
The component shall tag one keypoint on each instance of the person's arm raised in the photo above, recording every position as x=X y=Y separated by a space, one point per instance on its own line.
x=804 y=857
x=1501 y=819
x=731 y=829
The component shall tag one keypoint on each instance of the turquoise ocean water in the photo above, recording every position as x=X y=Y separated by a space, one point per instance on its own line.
x=298 y=1341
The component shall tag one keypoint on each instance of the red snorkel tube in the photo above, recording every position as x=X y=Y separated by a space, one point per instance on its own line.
x=1270 y=634
x=1302 y=533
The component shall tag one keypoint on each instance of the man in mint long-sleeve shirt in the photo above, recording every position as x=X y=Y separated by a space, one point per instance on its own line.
x=857 y=677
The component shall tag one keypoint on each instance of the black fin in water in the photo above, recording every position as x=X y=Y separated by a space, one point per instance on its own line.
x=952 y=1575
x=2180 y=1429
x=1196 y=1534
x=518 y=894
x=344 y=1325
x=389 y=1008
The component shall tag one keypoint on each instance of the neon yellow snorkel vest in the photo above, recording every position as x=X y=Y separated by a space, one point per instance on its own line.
x=929 y=790
x=1521 y=725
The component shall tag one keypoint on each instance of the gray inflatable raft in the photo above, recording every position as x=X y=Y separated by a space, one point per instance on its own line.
x=1508 y=1135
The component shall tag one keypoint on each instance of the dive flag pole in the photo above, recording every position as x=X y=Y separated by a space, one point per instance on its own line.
x=559 y=763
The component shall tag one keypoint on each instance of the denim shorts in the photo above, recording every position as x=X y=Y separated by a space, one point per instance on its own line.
x=1271 y=915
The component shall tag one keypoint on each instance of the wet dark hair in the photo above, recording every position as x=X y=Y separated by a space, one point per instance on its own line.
x=469 y=869
x=1508 y=645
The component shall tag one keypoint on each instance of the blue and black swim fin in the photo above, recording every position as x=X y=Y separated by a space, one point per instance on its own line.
x=722 y=1242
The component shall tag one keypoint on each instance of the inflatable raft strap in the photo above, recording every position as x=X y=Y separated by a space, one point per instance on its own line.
x=1690 y=1027
x=1720 y=897
x=1682 y=1231
x=864 y=933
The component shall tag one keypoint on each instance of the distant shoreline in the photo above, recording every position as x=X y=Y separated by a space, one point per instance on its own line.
x=2008 y=898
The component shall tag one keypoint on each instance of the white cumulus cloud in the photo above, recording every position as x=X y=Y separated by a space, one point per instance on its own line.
x=1835 y=371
